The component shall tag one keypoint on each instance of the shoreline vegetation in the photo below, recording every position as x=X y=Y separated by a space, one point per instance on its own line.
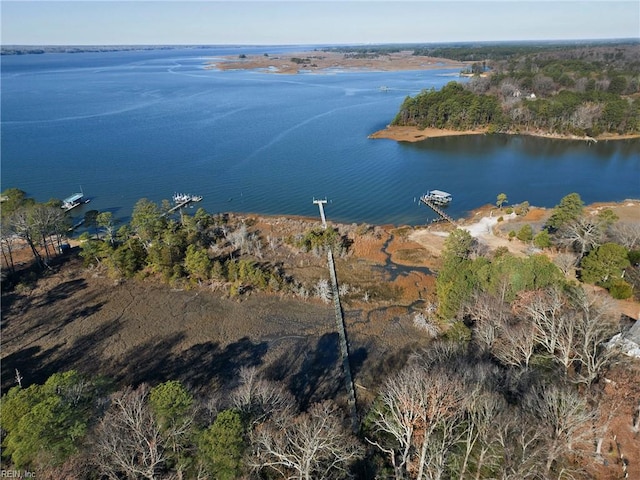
x=588 y=93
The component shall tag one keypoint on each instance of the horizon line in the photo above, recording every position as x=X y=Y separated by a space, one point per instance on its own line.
x=439 y=42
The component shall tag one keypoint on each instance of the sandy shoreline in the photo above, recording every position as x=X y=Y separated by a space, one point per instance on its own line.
x=416 y=134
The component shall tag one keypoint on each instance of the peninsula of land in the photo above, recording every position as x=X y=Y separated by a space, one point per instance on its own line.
x=322 y=61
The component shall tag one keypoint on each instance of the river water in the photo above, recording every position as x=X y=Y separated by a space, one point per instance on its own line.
x=129 y=125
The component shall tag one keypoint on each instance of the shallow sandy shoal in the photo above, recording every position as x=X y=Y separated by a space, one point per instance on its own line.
x=415 y=134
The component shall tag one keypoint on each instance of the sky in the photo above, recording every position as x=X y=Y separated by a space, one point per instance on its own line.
x=267 y=22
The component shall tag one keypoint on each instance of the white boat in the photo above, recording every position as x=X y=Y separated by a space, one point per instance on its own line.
x=179 y=198
x=438 y=197
x=73 y=201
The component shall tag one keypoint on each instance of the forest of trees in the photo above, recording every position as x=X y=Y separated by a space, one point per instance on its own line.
x=453 y=411
x=559 y=90
x=510 y=386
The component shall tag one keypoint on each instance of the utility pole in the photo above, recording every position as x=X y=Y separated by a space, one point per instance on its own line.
x=320 y=204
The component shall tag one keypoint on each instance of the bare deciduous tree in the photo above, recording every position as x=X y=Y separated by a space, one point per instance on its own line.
x=488 y=312
x=515 y=344
x=595 y=324
x=566 y=420
x=553 y=321
x=509 y=88
x=566 y=261
x=260 y=398
x=424 y=322
x=480 y=445
x=312 y=445
x=241 y=239
x=581 y=235
x=323 y=291
x=211 y=405
x=416 y=418
x=478 y=85
x=586 y=115
x=128 y=440
x=626 y=234
x=521 y=445
x=543 y=85
x=573 y=330
x=545 y=309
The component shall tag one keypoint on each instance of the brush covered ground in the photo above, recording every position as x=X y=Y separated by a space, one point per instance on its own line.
x=140 y=330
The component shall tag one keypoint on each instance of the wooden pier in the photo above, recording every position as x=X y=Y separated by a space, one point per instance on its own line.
x=183 y=202
x=340 y=326
x=344 y=344
x=437 y=209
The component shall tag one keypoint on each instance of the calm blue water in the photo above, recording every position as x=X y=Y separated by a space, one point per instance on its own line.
x=128 y=125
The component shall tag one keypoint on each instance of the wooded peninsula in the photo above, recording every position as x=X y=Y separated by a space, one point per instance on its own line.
x=564 y=91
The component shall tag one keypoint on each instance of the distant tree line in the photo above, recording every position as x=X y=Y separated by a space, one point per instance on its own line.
x=32 y=49
x=597 y=51
x=370 y=51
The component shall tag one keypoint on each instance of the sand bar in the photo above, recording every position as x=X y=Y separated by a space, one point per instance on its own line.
x=415 y=134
